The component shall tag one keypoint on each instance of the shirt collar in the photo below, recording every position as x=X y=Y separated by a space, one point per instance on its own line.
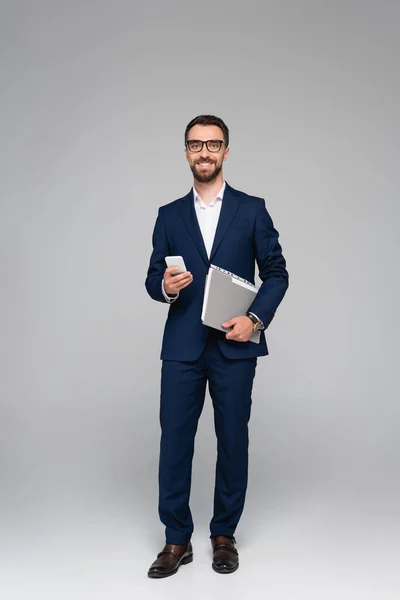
x=219 y=196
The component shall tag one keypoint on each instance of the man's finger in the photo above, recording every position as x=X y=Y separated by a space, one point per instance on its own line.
x=180 y=277
x=230 y=336
x=184 y=278
x=229 y=323
x=174 y=269
x=183 y=282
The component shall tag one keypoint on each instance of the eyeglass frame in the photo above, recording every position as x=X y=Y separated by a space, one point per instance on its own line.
x=202 y=145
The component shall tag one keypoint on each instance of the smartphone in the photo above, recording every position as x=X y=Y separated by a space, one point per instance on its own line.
x=176 y=261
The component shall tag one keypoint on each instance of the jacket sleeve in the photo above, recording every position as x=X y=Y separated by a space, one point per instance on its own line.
x=271 y=265
x=157 y=266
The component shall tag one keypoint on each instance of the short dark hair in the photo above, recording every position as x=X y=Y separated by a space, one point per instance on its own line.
x=208 y=120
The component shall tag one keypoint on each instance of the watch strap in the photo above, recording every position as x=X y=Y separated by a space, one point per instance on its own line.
x=257 y=323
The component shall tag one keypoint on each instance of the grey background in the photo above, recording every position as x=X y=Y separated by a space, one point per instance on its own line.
x=95 y=97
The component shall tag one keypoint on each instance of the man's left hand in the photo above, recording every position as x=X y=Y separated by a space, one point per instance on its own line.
x=242 y=329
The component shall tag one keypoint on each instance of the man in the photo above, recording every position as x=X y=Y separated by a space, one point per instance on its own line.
x=212 y=224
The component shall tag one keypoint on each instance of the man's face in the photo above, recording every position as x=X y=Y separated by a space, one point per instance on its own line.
x=206 y=165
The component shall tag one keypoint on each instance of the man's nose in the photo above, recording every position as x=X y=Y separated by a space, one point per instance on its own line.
x=204 y=152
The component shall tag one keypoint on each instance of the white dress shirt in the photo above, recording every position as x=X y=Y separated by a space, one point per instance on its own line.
x=207 y=216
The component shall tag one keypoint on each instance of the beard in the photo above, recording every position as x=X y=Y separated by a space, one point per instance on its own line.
x=206 y=177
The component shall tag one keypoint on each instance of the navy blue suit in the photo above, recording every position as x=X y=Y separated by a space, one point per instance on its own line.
x=194 y=354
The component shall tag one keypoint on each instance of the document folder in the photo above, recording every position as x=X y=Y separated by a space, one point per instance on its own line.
x=226 y=296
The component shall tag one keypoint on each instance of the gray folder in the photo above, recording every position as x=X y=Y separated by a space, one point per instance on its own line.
x=226 y=296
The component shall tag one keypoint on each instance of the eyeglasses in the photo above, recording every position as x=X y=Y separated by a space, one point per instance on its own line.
x=197 y=145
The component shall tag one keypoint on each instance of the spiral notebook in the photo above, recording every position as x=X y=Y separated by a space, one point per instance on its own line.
x=226 y=296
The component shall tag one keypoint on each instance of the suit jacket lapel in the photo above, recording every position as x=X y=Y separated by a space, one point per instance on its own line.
x=229 y=207
x=190 y=219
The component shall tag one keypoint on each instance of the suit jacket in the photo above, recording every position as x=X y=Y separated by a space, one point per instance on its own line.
x=245 y=235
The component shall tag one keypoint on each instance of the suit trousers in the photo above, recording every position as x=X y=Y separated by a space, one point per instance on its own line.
x=183 y=387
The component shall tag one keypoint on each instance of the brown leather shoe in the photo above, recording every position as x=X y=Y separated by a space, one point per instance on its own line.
x=170 y=559
x=225 y=555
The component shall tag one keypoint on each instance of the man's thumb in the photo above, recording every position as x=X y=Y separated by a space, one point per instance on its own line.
x=229 y=323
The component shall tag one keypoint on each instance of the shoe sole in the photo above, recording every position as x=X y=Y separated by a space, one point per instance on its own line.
x=226 y=570
x=184 y=561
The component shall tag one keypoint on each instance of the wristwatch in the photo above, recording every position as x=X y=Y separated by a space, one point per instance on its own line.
x=257 y=323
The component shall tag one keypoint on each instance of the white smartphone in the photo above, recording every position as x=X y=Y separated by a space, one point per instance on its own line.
x=176 y=261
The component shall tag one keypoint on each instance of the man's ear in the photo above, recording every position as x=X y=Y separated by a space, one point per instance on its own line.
x=226 y=153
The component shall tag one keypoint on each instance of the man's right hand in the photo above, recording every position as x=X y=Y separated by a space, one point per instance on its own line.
x=175 y=283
